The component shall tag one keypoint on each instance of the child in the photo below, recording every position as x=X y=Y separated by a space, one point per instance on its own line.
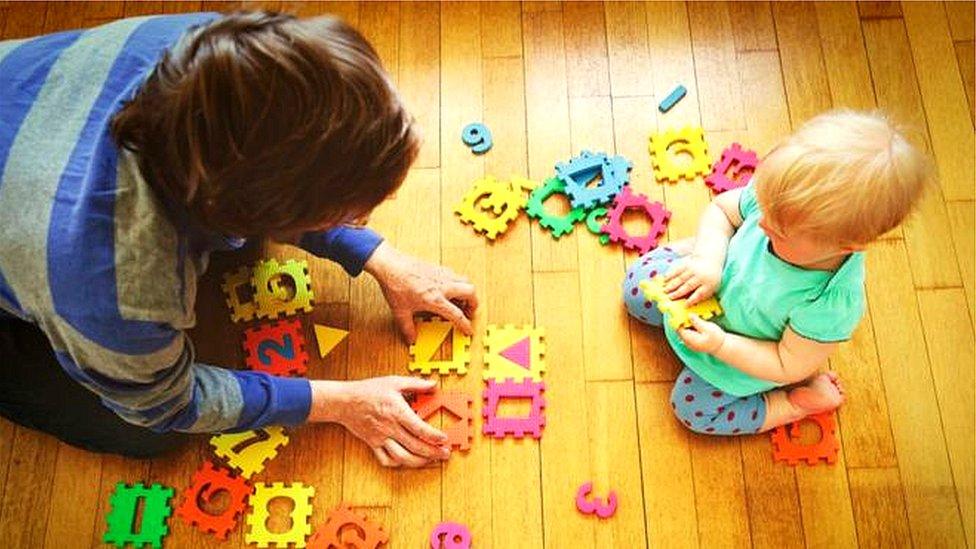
x=784 y=256
x=128 y=153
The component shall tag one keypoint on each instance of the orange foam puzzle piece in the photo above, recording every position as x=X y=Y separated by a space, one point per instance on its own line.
x=786 y=445
x=208 y=481
x=345 y=528
x=461 y=432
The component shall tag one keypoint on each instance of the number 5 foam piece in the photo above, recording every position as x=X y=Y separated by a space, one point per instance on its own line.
x=430 y=335
x=514 y=352
x=328 y=337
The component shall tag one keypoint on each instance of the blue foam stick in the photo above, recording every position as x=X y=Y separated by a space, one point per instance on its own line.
x=672 y=98
x=476 y=136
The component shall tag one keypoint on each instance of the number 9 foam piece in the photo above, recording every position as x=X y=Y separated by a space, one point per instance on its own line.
x=477 y=136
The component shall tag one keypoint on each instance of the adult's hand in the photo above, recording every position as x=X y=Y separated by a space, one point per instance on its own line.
x=411 y=285
x=375 y=411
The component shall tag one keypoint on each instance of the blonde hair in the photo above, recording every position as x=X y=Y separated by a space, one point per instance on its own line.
x=844 y=177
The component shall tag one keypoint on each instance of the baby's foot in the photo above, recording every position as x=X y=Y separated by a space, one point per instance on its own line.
x=821 y=394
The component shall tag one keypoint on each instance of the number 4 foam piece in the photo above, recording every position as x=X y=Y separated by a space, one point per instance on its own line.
x=517 y=427
x=122 y=518
x=208 y=481
x=430 y=335
x=249 y=451
x=277 y=348
x=678 y=311
x=301 y=498
x=328 y=337
x=514 y=352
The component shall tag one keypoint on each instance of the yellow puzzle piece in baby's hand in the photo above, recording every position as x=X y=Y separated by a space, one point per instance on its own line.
x=678 y=312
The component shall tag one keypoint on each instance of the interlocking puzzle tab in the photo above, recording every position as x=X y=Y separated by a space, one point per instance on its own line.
x=582 y=170
x=300 y=495
x=234 y=282
x=249 y=451
x=490 y=206
x=667 y=147
x=787 y=446
x=208 y=481
x=518 y=427
x=733 y=170
x=346 y=528
x=450 y=535
x=277 y=348
x=431 y=333
x=282 y=288
x=591 y=506
x=514 y=352
x=328 y=337
x=461 y=431
x=557 y=225
x=656 y=213
x=122 y=518
x=678 y=312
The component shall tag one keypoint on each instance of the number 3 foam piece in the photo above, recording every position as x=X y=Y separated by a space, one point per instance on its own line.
x=430 y=335
x=514 y=352
x=249 y=451
x=301 y=498
x=122 y=518
x=595 y=506
x=277 y=348
x=209 y=481
x=678 y=311
x=461 y=432
x=517 y=427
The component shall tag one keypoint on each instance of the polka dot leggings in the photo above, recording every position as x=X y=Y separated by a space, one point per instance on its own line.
x=699 y=405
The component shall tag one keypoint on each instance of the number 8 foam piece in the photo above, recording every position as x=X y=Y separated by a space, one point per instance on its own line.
x=301 y=498
x=277 y=348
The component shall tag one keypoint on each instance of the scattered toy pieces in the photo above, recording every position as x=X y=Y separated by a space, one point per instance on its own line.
x=208 y=481
x=249 y=451
x=582 y=170
x=555 y=224
x=477 y=136
x=431 y=334
x=274 y=299
x=666 y=147
x=277 y=348
x=121 y=519
x=655 y=211
x=461 y=432
x=787 y=446
x=677 y=94
x=301 y=498
x=490 y=206
x=514 y=353
x=517 y=427
x=346 y=528
x=733 y=170
x=678 y=312
x=450 y=535
x=593 y=224
x=328 y=337
x=595 y=506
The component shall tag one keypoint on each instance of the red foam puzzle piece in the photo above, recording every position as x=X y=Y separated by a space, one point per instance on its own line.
x=208 y=481
x=277 y=348
x=461 y=432
x=786 y=445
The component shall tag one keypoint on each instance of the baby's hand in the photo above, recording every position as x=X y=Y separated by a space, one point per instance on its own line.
x=695 y=275
x=703 y=336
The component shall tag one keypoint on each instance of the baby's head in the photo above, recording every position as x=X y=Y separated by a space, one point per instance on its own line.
x=262 y=124
x=841 y=181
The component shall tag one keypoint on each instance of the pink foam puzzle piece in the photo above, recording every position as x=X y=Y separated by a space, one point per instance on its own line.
x=595 y=506
x=517 y=427
x=519 y=353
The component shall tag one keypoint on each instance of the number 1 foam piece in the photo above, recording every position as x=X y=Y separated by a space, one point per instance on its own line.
x=343 y=523
x=677 y=94
x=450 y=535
x=517 y=427
x=678 y=311
x=430 y=335
x=122 y=518
x=514 y=352
x=277 y=348
x=595 y=506
x=461 y=432
x=328 y=337
x=667 y=146
x=656 y=213
x=301 y=498
x=738 y=163
x=787 y=446
x=208 y=481
x=249 y=451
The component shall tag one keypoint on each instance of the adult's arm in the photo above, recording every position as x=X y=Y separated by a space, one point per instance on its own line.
x=350 y=247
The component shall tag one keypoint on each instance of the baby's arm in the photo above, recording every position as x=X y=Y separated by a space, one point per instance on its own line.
x=700 y=273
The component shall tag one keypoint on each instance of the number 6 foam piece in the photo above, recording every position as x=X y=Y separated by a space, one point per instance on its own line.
x=277 y=348
x=209 y=481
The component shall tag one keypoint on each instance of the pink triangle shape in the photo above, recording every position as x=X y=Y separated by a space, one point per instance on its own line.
x=518 y=353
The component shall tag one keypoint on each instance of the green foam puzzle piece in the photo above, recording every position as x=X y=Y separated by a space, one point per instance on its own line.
x=122 y=518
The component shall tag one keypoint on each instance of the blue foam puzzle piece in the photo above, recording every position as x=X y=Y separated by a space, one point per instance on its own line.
x=477 y=136
x=672 y=98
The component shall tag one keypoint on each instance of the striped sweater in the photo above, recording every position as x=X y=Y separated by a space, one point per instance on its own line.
x=90 y=255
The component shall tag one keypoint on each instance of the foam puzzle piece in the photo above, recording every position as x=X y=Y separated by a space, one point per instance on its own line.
x=733 y=170
x=580 y=171
x=328 y=337
x=655 y=212
x=345 y=528
x=477 y=136
x=208 y=481
x=556 y=225
x=271 y=298
x=460 y=433
x=787 y=446
x=121 y=519
x=431 y=333
x=240 y=311
x=249 y=451
x=301 y=497
x=490 y=206
x=517 y=427
x=510 y=340
x=677 y=94
x=677 y=311
x=450 y=535
x=277 y=348
x=591 y=506
x=667 y=146
x=593 y=224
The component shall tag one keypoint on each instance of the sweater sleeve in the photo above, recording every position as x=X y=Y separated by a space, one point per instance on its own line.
x=350 y=247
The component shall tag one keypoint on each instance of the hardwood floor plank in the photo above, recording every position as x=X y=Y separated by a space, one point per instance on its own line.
x=879 y=507
x=720 y=494
x=965 y=54
x=26 y=502
x=845 y=60
x=505 y=21
x=419 y=74
x=961 y=17
x=630 y=62
x=585 y=37
x=963 y=226
x=772 y=500
x=803 y=65
x=24 y=19
x=752 y=26
x=714 y=48
x=879 y=9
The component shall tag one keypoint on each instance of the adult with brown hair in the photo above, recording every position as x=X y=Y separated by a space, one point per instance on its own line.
x=128 y=153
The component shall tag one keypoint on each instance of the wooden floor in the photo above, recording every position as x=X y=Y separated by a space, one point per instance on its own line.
x=550 y=79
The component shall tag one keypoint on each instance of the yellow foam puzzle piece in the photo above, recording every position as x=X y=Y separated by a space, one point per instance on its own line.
x=678 y=312
x=491 y=205
x=271 y=297
x=301 y=498
x=249 y=451
x=239 y=311
x=665 y=149
x=499 y=338
x=328 y=337
x=430 y=335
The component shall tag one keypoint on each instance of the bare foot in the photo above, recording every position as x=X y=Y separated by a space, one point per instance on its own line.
x=821 y=394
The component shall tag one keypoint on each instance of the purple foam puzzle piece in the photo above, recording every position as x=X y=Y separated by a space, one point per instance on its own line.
x=518 y=427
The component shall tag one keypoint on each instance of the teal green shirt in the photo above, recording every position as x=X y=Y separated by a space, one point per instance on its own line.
x=762 y=295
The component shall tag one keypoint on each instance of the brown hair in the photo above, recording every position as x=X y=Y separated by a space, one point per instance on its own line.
x=261 y=124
